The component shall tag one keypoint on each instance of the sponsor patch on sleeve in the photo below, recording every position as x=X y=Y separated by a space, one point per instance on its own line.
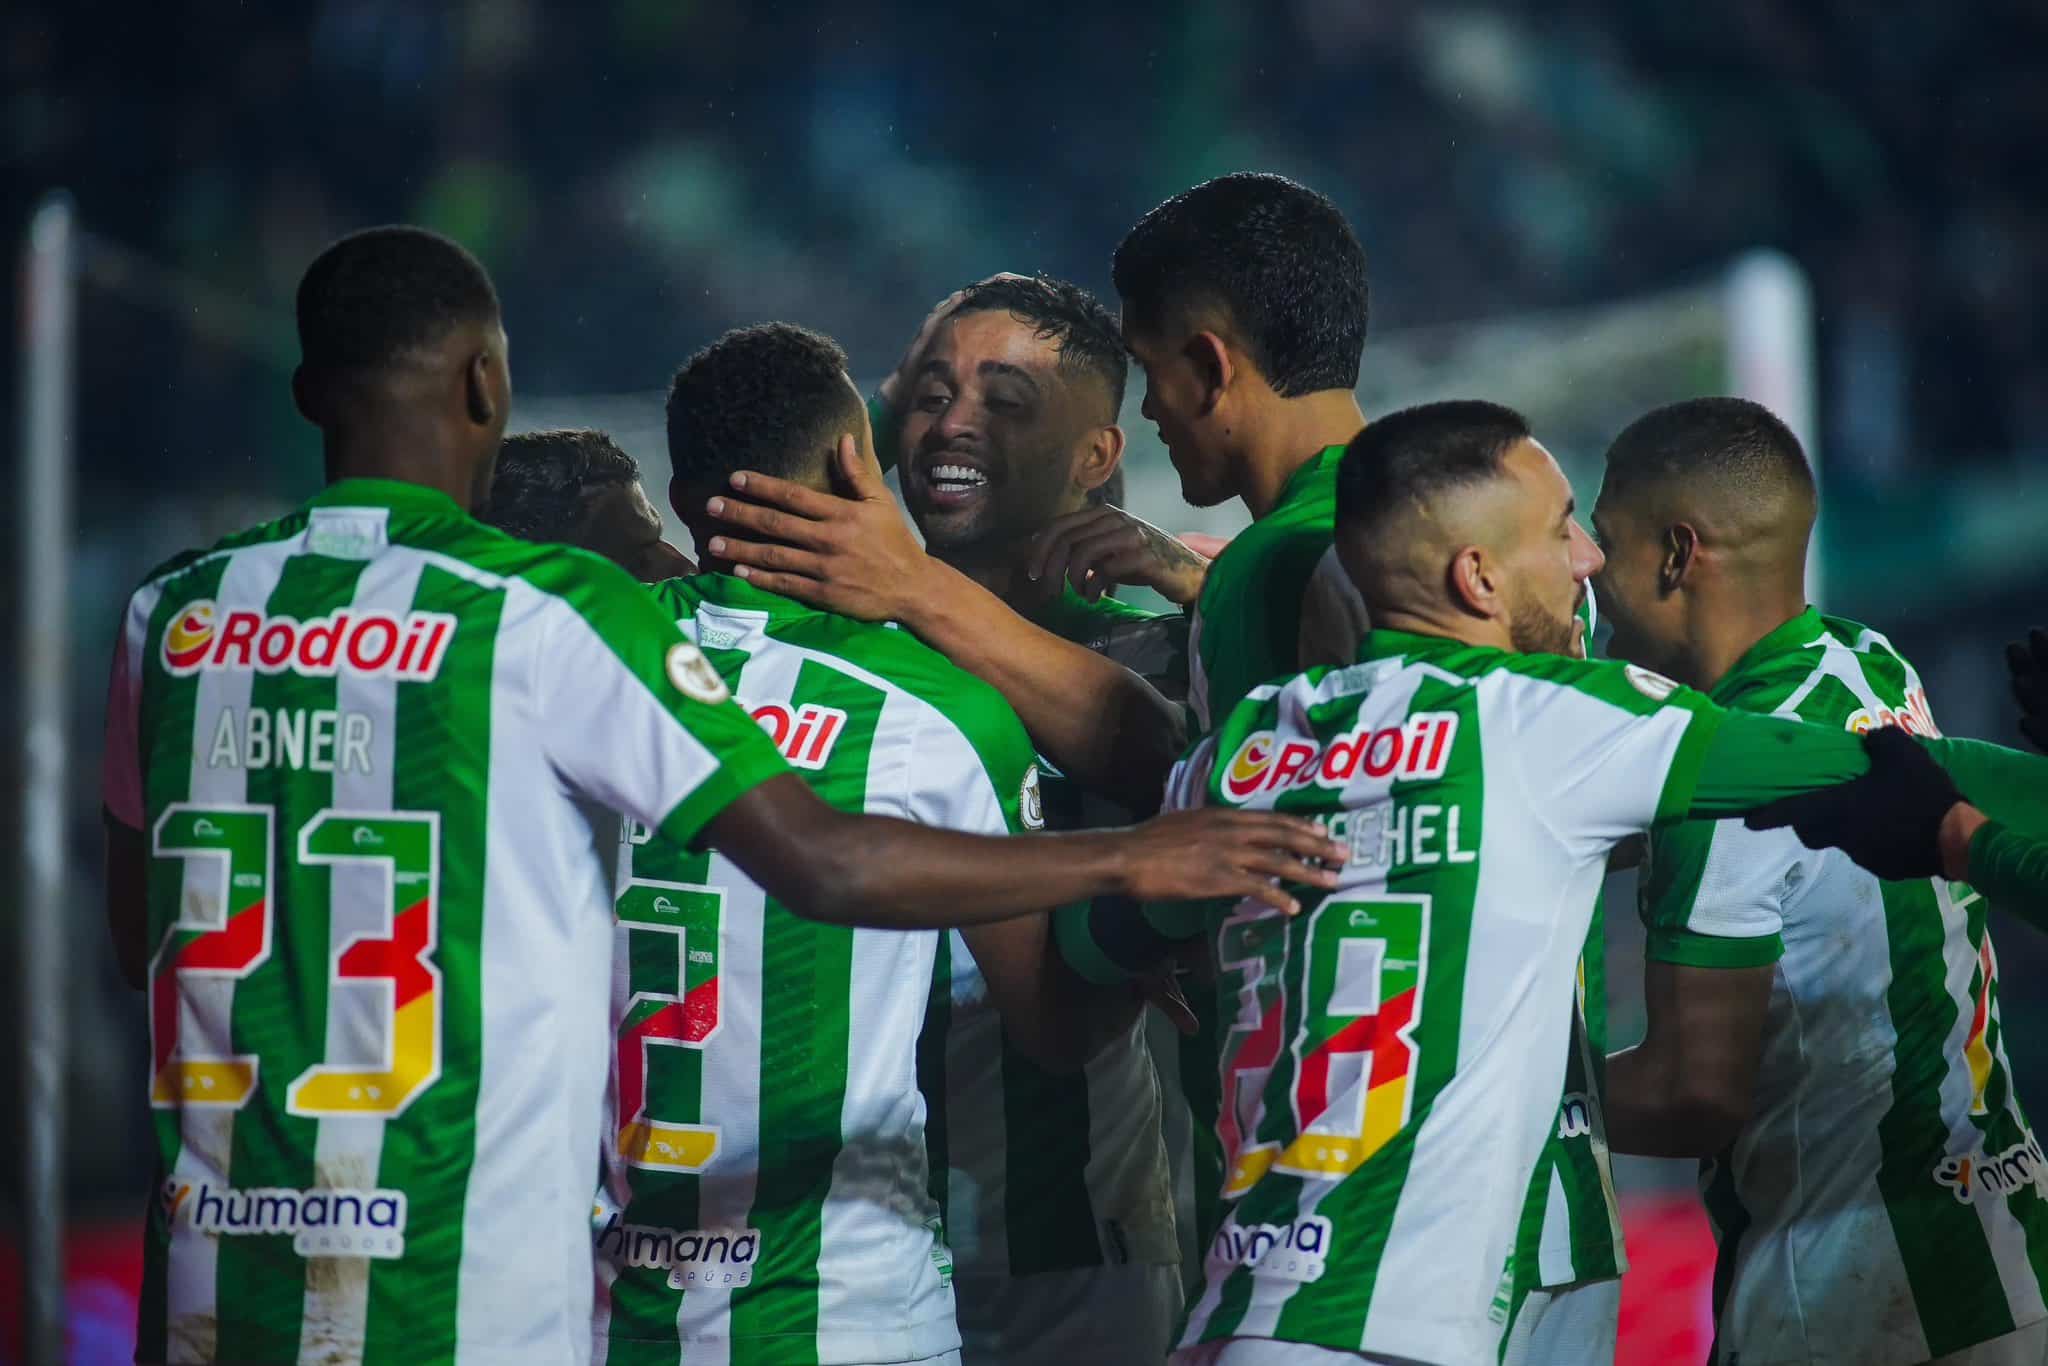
x=1654 y=686
x=693 y=675
x=1031 y=801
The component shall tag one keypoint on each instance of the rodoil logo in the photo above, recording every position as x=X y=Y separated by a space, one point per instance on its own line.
x=323 y=1222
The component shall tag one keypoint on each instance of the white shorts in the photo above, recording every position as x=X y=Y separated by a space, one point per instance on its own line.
x=1271 y=1352
x=1573 y=1327
x=1069 y=1318
x=2026 y=1346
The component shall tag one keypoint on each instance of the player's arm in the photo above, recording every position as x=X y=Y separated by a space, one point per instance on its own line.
x=636 y=719
x=127 y=848
x=890 y=874
x=2008 y=866
x=1685 y=1090
x=1103 y=725
x=1712 y=900
x=127 y=876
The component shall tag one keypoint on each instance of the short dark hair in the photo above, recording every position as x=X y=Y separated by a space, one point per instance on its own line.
x=1274 y=256
x=545 y=481
x=1739 y=444
x=771 y=398
x=1066 y=315
x=1402 y=461
x=378 y=293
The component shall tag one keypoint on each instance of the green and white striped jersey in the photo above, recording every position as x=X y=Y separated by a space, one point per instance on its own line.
x=766 y=1196
x=1395 y=1053
x=375 y=747
x=1047 y=1172
x=1571 y=1221
x=1886 y=1202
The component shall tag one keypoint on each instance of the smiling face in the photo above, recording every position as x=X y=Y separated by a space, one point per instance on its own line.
x=991 y=436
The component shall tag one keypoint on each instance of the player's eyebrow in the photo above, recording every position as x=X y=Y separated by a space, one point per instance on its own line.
x=935 y=366
x=1017 y=372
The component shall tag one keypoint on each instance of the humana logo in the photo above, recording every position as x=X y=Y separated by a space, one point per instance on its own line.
x=1982 y=1176
x=697 y=1259
x=1292 y=1252
x=324 y=1222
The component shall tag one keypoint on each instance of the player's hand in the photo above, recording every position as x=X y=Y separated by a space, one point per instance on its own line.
x=1099 y=547
x=2028 y=661
x=893 y=389
x=1890 y=820
x=1217 y=855
x=854 y=554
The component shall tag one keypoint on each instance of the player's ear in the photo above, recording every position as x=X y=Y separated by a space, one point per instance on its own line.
x=477 y=392
x=305 y=395
x=1680 y=546
x=1208 y=355
x=1101 y=453
x=1474 y=582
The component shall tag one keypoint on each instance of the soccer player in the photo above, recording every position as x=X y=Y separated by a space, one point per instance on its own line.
x=766 y=1189
x=357 y=766
x=1395 y=1053
x=1060 y=1209
x=575 y=486
x=1832 y=1041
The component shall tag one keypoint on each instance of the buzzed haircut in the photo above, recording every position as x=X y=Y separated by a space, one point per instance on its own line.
x=1742 y=449
x=1066 y=315
x=1275 y=258
x=1402 y=462
x=772 y=398
x=545 y=482
x=379 y=293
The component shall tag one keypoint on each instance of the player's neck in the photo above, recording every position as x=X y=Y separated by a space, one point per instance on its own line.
x=1289 y=433
x=1727 y=626
x=1466 y=630
x=1002 y=572
x=404 y=454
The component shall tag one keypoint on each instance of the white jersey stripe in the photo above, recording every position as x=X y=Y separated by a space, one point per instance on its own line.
x=209 y=1133
x=347 y=1148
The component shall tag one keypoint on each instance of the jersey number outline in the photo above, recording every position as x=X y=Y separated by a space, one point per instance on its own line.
x=231 y=936
x=1352 y=1084
x=687 y=1017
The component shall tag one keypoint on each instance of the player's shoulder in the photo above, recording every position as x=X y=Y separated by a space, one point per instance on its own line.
x=1630 y=687
x=937 y=696
x=277 y=530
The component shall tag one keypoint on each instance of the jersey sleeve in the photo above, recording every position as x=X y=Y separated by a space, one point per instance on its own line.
x=1713 y=893
x=2010 y=867
x=121 y=757
x=1603 y=750
x=634 y=717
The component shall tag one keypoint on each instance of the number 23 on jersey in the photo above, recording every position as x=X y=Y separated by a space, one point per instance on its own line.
x=224 y=932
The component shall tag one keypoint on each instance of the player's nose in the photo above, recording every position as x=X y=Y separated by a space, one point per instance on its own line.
x=1587 y=557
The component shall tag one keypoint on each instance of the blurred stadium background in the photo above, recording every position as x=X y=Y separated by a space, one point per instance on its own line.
x=1583 y=209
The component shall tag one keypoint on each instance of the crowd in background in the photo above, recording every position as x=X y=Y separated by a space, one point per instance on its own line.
x=640 y=174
